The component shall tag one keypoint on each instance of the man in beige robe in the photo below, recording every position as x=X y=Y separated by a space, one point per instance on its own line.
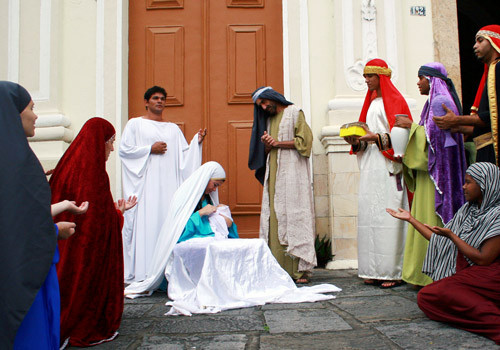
x=279 y=152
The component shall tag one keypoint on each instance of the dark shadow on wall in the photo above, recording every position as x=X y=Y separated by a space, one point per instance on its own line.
x=472 y=15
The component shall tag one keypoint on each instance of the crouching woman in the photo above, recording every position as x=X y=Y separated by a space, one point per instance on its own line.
x=463 y=258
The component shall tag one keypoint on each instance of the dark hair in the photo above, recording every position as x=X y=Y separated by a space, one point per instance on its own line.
x=153 y=90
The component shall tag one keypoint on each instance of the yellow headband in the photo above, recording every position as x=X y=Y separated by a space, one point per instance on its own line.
x=488 y=34
x=377 y=70
x=218 y=179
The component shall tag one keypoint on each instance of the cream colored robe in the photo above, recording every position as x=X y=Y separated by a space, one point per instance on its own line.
x=293 y=199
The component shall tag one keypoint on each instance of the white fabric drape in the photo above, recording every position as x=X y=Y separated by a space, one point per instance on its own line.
x=209 y=275
x=181 y=207
x=153 y=178
x=381 y=238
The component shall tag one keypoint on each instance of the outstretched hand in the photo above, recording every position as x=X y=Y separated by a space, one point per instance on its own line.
x=66 y=229
x=401 y=214
x=201 y=135
x=124 y=205
x=77 y=210
x=440 y=230
x=447 y=121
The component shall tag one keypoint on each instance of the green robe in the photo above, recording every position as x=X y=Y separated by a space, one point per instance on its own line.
x=303 y=144
x=423 y=209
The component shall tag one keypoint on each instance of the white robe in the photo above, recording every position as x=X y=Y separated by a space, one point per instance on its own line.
x=381 y=238
x=153 y=178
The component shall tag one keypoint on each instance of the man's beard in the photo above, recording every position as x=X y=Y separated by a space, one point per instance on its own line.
x=271 y=111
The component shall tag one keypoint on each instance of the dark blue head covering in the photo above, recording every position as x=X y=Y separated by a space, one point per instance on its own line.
x=27 y=234
x=257 y=153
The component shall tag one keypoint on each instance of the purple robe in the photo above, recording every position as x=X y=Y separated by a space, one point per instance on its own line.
x=447 y=163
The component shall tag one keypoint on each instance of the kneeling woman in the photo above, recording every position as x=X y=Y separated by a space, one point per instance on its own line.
x=210 y=220
x=206 y=272
x=463 y=258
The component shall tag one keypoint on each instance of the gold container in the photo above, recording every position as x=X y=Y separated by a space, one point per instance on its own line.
x=353 y=129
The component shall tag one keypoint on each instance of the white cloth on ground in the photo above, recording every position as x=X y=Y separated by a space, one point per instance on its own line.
x=182 y=206
x=153 y=178
x=381 y=238
x=209 y=275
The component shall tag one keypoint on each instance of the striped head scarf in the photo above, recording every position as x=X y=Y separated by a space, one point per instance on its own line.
x=473 y=223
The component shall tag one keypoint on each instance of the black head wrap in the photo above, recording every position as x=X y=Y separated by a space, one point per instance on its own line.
x=27 y=234
x=257 y=153
x=432 y=72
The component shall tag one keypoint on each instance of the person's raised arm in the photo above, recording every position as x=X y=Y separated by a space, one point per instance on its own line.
x=405 y=215
x=452 y=121
x=485 y=255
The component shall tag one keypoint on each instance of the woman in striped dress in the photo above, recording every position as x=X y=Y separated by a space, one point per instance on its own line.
x=463 y=258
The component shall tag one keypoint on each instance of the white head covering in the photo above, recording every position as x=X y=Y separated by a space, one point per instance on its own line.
x=181 y=208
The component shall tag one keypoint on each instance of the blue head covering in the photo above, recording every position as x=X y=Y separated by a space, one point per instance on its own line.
x=27 y=234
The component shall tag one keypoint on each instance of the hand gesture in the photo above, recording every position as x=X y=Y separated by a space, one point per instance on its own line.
x=124 y=205
x=159 y=147
x=401 y=214
x=447 y=121
x=268 y=141
x=440 y=230
x=352 y=140
x=207 y=210
x=74 y=209
x=66 y=229
x=403 y=122
x=201 y=135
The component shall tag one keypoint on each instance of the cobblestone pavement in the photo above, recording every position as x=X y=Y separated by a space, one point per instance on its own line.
x=361 y=317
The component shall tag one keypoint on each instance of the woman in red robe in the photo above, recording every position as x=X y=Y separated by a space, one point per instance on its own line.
x=463 y=258
x=90 y=269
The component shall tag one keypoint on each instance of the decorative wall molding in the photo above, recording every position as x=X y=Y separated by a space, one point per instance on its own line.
x=50 y=120
x=174 y=59
x=245 y=43
x=245 y=3
x=286 y=48
x=13 y=40
x=43 y=92
x=163 y=4
x=353 y=68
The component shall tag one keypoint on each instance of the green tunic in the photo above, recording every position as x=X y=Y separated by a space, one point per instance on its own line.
x=303 y=144
x=417 y=179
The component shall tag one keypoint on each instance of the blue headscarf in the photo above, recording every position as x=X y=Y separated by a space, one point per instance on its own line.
x=27 y=233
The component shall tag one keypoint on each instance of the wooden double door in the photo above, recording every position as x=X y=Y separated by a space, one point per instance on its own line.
x=210 y=55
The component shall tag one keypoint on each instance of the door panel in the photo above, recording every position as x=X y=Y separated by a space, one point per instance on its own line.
x=210 y=55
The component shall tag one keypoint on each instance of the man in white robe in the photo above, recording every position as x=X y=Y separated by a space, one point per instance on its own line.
x=156 y=160
x=381 y=239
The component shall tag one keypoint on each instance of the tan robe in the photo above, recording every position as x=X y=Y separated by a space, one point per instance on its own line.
x=287 y=216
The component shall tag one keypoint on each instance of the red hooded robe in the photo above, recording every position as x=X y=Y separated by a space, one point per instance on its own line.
x=90 y=269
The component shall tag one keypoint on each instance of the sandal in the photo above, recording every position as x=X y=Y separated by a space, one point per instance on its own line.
x=372 y=282
x=391 y=284
x=305 y=279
